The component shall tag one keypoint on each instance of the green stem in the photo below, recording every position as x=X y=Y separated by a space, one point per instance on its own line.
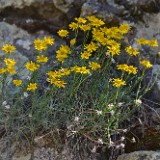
x=140 y=83
x=3 y=87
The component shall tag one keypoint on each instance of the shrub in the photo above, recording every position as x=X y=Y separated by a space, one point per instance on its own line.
x=95 y=84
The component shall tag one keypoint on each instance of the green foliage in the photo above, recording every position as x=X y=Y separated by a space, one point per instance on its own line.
x=94 y=86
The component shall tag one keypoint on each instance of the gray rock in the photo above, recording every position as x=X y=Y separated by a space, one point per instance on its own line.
x=17 y=3
x=145 y=155
x=50 y=15
x=63 y=5
x=151 y=28
x=156 y=115
x=100 y=9
x=14 y=35
x=25 y=157
x=155 y=91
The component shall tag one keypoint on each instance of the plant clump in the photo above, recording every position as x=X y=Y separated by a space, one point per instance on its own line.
x=92 y=89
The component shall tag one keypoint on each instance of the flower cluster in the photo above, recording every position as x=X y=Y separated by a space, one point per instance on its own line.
x=10 y=63
x=102 y=36
x=146 y=63
x=87 y=80
x=127 y=68
x=63 y=53
x=152 y=43
x=43 y=44
x=55 y=77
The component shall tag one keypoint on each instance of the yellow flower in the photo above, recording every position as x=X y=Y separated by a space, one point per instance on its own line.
x=104 y=41
x=61 y=56
x=7 y=48
x=65 y=49
x=9 y=62
x=75 y=69
x=73 y=41
x=117 y=82
x=64 y=71
x=51 y=80
x=2 y=70
x=63 y=33
x=124 y=28
x=122 y=67
x=85 y=55
x=11 y=70
x=40 y=44
x=153 y=43
x=104 y=30
x=49 y=40
x=32 y=87
x=54 y=74
x=97 y=35
x=73 y=26
x=85 y=27
x=81 y=20
x=130 y=69
x=112 y=32
x=132 y=51
x=56 y=81
x=62 y=53
x=95 y=21
x=146 y=63
x=92 y=18
x=142 y=41
x=112 y=42
x=114 y=49
x=42 y=59
x=91 y=47
x=60 y=83
x=31 y=66
x=17 y=82
x=84 y=70
x=94 y=66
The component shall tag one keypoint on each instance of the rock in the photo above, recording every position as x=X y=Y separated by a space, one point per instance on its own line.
x=11 y=149
x=149 y=30
x=47 y=17
x=24 y=44
x=27 y=157
x=145 y=155
x=156 y=115
x=13 y=35
x=149 y=6
x=53 y=154
x=102 y=10
x=17 y=3
x=119 y=10
x=50 y=15
x=24 y=51
x=153 y=94
x=63 y=5
x=40 y=142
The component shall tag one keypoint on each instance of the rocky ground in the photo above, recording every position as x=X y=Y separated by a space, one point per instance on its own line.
x=21 y=21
